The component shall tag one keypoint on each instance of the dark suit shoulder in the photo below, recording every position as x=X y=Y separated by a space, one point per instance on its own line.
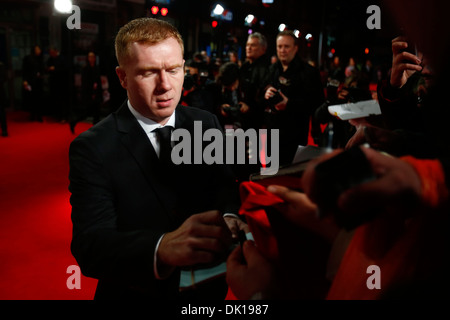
x=100 y=137
x=194 y=112
x=101 y=128
x=187 y=114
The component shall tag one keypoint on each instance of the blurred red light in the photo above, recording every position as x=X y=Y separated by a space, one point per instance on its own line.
x=154 y=9
x=164 y=11
x=214 y=24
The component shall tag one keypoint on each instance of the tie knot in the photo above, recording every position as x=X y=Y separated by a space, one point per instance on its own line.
x=165 y=143
x=164 y=132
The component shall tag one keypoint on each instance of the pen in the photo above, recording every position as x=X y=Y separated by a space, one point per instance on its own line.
x=330 y=137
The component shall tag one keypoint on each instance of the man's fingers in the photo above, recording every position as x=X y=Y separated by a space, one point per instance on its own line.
x=252 y=255
x=235 y=258
x=398 y=45
x=212 y=217
x=280 y=191
x=248 y=254
x=399 y=38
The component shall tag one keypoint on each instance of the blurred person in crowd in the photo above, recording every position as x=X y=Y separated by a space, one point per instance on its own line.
x=139 y=219
x=3 y=120
x=369 y=71
x=33 y=69
x=294 y=91
x=336 y=71
x=195 y=92
x=232 y=110
x=350 y=69
x=234 y=57
x=117 y=94
x=253 y=73
x=228 y=96
x=91 y=92
x=58 y=82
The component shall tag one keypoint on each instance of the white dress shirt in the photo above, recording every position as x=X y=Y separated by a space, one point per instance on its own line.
x=149 y=125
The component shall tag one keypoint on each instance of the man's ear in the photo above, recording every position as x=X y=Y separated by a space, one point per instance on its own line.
x=122 y=76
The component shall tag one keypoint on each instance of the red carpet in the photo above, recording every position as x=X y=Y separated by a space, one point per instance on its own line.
x=35 y=225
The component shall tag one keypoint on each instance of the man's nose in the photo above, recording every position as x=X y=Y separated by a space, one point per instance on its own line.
x=164 y=83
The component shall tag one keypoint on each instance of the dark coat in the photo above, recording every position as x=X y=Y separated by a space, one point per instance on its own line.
x=123 y=201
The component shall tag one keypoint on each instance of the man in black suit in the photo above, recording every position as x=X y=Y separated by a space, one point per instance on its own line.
x=137 y=221
x=293 y=92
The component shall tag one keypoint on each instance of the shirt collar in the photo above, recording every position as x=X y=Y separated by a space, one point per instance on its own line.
x=148 y=124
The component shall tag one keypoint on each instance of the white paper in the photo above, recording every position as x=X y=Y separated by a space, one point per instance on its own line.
x=360 y=109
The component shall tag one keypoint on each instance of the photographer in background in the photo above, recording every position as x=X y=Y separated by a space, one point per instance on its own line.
x=232 y=111
x=195 y=93
x=229 y=98
x=299 y=92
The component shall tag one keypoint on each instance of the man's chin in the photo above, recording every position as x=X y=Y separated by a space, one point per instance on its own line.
x=163 y=114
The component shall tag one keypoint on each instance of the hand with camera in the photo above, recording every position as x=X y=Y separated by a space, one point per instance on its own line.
x=404 y=62
x=243 y=107
x=228 y=110
x=276 y=99
x=225 y=109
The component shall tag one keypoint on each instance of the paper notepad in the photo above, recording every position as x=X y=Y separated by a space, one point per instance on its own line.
x=356 y=110
x=190 y=278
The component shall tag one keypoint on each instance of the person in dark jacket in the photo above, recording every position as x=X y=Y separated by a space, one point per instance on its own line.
x=253 y=73
x=91 y=92
x=293 y=93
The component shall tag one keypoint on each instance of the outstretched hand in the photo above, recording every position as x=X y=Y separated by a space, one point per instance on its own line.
x=404 y=63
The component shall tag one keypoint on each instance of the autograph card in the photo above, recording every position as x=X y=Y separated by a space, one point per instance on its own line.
x=356 y=110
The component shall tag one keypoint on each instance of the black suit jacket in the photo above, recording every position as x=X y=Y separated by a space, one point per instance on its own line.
x=123 y=201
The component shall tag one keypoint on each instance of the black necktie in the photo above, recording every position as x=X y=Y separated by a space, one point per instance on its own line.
x=165 y=145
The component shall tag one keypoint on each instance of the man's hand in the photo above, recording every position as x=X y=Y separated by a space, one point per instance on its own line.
x=283 y=103
x=202 y=239
x=397 y=184
x=404 y=64
x=222 y=108
x=244 y=107
x=249 y=273
x=270 y=92
x=235 y=224
x=301 y=211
